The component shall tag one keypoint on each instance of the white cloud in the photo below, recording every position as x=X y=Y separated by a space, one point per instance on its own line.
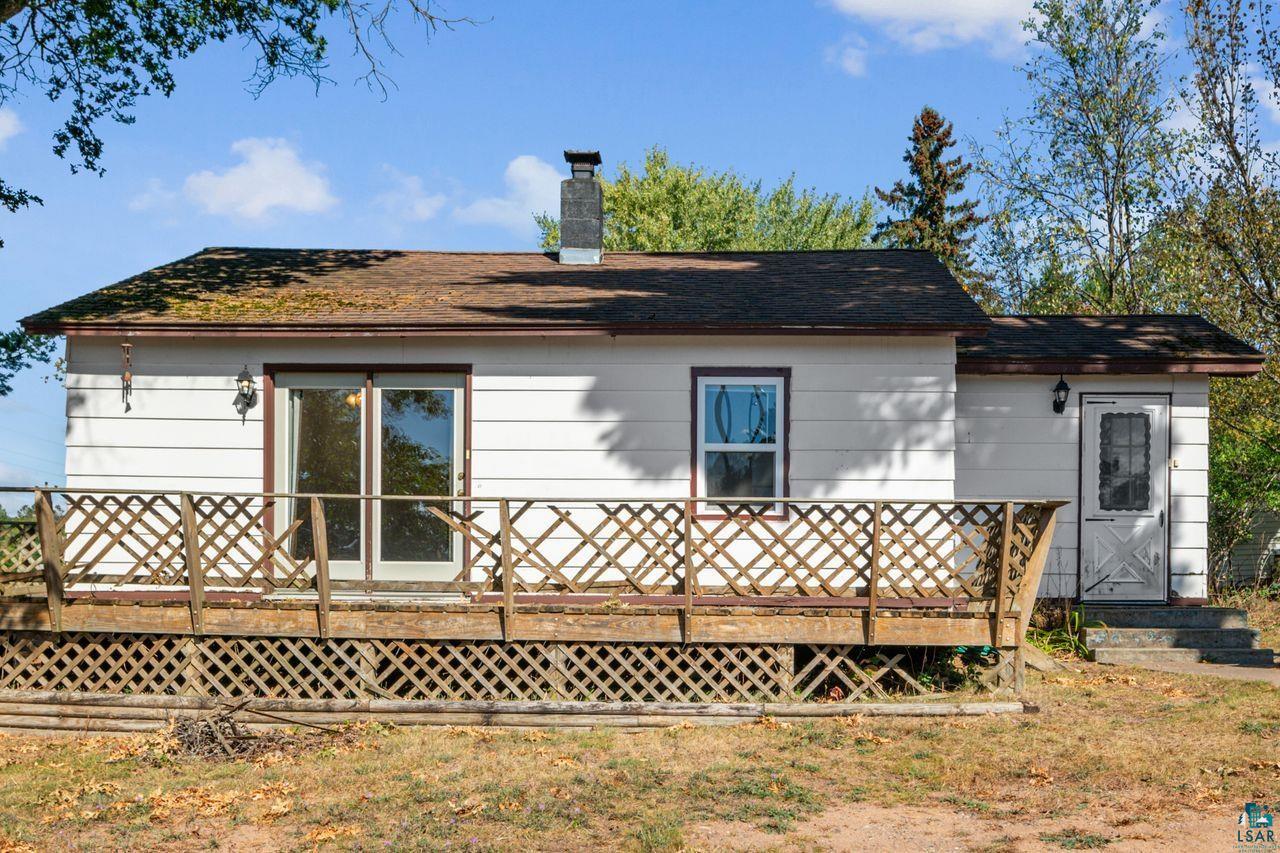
x=10 y=125
x=154 y=196
x=533 y=186
x=407 y=199
x=270 y=178
x=850 y=55
x=930 y=25
x=1268 y=97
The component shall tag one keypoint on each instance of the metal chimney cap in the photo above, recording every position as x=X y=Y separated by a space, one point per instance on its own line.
x=575 y=156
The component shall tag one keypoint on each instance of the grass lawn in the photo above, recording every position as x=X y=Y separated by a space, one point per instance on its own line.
x=1117 y=758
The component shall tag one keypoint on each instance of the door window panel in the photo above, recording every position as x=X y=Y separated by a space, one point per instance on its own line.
x=324 y=431
x=1124 y=461
x=416 y=456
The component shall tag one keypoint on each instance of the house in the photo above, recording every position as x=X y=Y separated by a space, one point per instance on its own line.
x=1255 y=561
x=810 y=391
x=638 y=375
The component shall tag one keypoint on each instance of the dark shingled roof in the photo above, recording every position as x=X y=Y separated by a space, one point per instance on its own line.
x=296 y=290
x=1138 y=343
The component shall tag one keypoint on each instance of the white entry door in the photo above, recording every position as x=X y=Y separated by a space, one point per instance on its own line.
x=1125 y=484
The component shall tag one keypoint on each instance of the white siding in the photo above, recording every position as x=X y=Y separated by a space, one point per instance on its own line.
x=577 y=416
x=1010 y=444
x=1256 y=559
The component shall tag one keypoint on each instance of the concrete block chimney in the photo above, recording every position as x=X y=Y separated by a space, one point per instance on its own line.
x=581 y=210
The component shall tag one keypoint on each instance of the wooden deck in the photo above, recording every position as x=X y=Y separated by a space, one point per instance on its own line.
x=684 y=600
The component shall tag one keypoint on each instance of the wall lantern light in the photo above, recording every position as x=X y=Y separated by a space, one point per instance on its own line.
x=246 y=394
x=1060 y=393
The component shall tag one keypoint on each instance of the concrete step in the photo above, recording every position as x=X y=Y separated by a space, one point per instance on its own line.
x=1166 y=617
x=1138 y=657
x=1171 y=638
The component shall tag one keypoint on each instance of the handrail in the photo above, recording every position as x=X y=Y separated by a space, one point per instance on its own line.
x=744 y=501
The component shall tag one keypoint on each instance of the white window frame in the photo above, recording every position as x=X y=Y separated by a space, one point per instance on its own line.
x=777 y=447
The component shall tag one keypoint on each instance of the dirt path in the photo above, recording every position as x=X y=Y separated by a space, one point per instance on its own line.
x=863 y=827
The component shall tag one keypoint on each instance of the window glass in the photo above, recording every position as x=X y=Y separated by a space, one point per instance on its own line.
x=740 y=440
x=324 y=426
x=732 y=474
x=1124 y=461
x=740 y=414
x=417 y=459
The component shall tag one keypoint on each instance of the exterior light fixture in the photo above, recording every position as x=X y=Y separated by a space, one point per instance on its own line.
x=246 y=394
x=353 y=400
x=1060 y=393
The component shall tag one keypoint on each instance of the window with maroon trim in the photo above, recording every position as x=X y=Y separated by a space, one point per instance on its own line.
x=740 y=431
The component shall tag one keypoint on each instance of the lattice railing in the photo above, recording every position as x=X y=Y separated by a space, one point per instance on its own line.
x=19 y=548
x=691 y=551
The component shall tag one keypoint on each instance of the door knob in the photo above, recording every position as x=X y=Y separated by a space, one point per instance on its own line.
x=1162 y=518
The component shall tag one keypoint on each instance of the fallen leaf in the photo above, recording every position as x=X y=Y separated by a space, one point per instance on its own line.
x=324 y=834
x=469 y=807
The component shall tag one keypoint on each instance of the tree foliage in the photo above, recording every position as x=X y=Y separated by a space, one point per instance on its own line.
x=923 y=213
x=1234 y=177
x=672 y=208
x=100 y=57
x=1076 y=184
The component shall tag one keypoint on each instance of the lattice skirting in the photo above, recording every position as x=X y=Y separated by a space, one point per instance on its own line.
x=305 y=668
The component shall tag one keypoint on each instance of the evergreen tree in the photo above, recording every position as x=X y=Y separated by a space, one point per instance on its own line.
x=927 y=216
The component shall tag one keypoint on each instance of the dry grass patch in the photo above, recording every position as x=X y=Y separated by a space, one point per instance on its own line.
x=1108 y=742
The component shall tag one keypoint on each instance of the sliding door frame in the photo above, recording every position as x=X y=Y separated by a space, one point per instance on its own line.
x=269 y=416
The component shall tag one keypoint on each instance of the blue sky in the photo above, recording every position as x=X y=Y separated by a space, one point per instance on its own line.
x=468 y=143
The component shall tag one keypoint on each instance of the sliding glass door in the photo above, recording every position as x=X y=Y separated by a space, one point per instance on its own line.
x=418 y=451
x=339 y=433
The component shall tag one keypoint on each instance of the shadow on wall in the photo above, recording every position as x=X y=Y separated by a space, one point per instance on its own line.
x=850 y=445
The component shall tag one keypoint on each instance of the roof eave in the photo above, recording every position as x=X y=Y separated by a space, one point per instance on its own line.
x=1214 y=366
x=34 y=325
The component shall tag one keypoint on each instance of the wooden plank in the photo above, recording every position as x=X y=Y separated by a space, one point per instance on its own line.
x=1002 y=576
x=50 y=557
x=1029 y=587
x=873 y=590
x=320 y=543
x=298 y=621
x=508 y=569
x=146 y=706
x=191 y=552
x=690 y=575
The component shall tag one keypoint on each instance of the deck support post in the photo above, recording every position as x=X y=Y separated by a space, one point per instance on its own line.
x=191 y=556
x=508 y=568
x=686 y=623
x=50 y=557
x=320 y=543
x=1002 y=577
x=873 y=593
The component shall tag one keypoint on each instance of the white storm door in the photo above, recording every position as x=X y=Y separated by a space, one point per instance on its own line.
x=1125 y=484
x=417 y=441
